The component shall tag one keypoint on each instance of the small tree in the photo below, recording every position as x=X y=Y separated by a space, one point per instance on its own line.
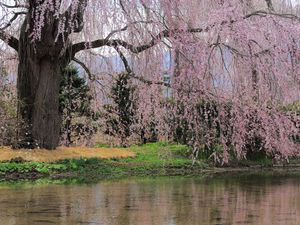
x=75 y=102
x=121 y=114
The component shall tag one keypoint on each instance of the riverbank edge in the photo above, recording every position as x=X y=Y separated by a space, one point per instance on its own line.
x=152 y=159
x=109 y=171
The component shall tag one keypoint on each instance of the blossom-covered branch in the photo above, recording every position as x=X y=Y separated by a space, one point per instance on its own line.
x=163 y=34
x=74 y=16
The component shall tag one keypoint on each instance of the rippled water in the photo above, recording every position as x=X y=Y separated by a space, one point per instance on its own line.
x=165 y=201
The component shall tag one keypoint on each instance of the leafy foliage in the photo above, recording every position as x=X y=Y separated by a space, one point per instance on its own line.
x=75 y=106
x=121 y=114
x=11 y=167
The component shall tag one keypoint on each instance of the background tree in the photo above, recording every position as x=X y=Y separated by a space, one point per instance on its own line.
x=121 y=114
x=75 y=104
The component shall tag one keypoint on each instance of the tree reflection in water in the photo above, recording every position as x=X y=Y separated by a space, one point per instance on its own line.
x=168 y=201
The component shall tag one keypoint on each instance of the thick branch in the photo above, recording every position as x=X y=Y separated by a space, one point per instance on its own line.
x=16 y=15
x=134 y=49
x=163 y=34
x=10 y=40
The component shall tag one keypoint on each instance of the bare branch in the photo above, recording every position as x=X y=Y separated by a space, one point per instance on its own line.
x=124 y=28
x=16 y=6
x=122 y=6
x=241 y=54
x=124 y=60
x=134 y=49
x=10 y=40
x=265 y=13
x=132 y=74
x=16 y=15
x=91 y=77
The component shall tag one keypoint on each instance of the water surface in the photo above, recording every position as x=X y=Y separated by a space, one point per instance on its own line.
x=166 y=201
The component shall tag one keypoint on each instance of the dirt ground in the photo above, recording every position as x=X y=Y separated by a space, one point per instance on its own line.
x=41 y=155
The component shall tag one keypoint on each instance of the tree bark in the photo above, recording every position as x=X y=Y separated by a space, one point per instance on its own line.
x=38 y=110
x=41 y=62
x=38 y=84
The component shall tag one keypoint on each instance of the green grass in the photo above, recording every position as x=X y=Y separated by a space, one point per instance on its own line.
x=159 y=154
x=26 y=167
x=153 y=159
x=159 y=158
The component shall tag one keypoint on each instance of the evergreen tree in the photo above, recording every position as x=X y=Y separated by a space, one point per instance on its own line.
x=122 y=112
x=75 y=102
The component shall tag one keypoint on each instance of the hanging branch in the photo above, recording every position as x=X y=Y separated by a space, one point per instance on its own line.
x=270 y=5
x=91 y=76
x=131 y=73
x=124 y=60
x=86 y=69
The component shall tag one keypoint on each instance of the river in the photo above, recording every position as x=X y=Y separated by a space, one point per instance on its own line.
x=261 y=200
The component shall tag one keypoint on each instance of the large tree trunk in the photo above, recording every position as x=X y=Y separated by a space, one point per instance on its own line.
x=38 y=93
x=46 y=117
x=44 y=51
x=39 y=76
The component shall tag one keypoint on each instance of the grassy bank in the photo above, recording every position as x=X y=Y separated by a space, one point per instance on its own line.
x=154 y=159
x=43 y=155
x=151 y=159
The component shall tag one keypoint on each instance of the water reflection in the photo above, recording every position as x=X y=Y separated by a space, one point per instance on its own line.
x=156 y=201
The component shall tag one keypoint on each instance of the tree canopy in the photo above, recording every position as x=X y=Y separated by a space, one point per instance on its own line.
x=241 y=55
